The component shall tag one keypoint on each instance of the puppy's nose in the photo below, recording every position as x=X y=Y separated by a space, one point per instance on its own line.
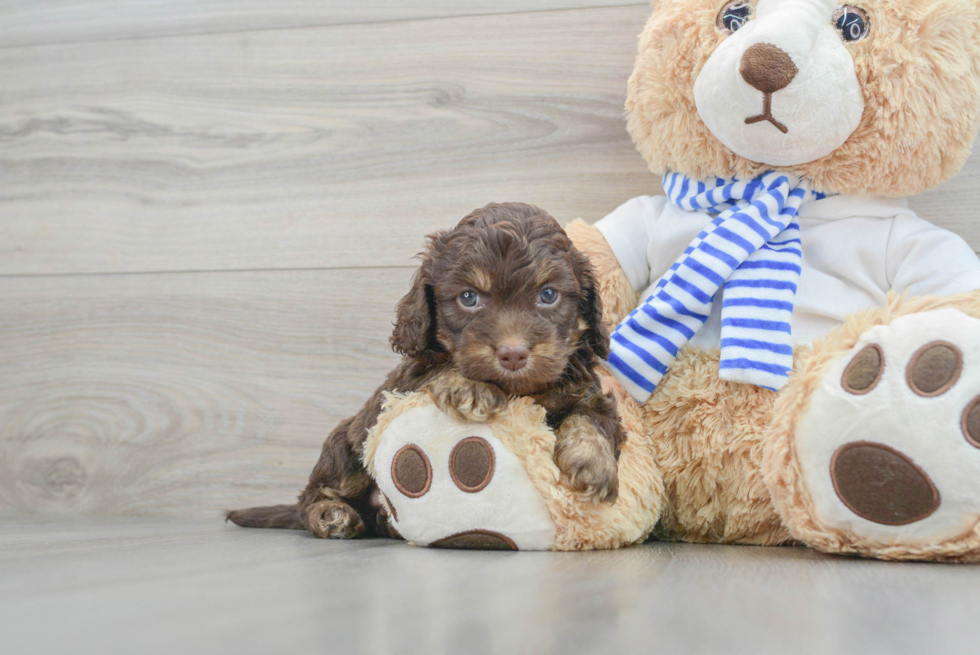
x=767 y=68
x=513 y=357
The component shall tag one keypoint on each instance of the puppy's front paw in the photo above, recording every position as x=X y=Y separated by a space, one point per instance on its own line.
x=587 y=462
x=466 y=400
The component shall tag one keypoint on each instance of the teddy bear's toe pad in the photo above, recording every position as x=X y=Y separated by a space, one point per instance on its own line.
x=888 y=448
x=880 y=484
x=455 y=485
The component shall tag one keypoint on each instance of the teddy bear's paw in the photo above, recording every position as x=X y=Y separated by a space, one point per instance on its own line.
x=889 y=448
x=452 y=484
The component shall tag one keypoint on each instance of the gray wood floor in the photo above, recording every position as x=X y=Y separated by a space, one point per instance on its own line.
x=165 y=586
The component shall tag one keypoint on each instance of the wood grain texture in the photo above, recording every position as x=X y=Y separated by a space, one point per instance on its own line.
x=182 y=394
x=275 y=174
x=955 y=204
x=321 y=147
x=26 y=22
x=140 y=586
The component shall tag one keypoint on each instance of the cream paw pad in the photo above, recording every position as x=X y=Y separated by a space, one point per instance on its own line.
x=495 y=486
x=889 y=448
x=454 y=484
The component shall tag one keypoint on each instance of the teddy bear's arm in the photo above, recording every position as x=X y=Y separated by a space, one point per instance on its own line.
x=617 y=294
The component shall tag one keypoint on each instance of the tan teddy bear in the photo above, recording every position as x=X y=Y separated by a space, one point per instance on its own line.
x=796 y=355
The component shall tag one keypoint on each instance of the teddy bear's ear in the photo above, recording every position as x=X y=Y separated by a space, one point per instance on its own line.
x=415 y=319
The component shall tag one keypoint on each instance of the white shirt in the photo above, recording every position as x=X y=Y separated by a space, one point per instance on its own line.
x=855 y=250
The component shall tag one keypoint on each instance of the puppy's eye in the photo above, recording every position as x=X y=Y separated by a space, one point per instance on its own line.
x=734 y=16
x=852 y=23
x=469 y=299
x=548 y=296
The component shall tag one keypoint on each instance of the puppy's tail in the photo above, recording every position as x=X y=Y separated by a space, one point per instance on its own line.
x=276 y=516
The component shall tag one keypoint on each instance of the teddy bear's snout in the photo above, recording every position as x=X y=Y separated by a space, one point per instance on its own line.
x=782 y=90
x=767 y=67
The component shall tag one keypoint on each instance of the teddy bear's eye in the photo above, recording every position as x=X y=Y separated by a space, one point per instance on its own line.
x=734 y=15
x=852 y=23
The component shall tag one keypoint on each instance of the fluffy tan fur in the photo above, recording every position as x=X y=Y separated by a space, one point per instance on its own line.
x=581 y=523
x=709 y=442
x=781 y=467
x=918 y=69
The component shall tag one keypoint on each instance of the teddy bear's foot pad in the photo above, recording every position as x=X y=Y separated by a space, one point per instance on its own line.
x=454 y=485
x=882 y=485
x=889 y=448
x=479 y=539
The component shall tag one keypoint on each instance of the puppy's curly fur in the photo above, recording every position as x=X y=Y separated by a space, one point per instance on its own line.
x=506 y=277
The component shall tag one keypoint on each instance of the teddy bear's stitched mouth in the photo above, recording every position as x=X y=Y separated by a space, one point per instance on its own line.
x=766 y=115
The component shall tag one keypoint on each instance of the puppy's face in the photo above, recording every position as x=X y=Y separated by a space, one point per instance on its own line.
x=507 y=297
x=508 y=310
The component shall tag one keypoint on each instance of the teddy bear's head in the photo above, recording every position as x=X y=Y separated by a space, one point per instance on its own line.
x=877 y=97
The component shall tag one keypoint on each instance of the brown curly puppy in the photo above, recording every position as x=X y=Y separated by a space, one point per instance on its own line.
x=502 y=305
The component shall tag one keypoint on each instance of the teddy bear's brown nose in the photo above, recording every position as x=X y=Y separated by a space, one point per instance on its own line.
x=767 y=67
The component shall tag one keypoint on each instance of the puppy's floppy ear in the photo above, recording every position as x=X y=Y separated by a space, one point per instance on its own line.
x=415 y=319
x=590 y=305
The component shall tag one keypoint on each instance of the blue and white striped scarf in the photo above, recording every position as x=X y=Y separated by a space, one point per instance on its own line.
x=752 y=248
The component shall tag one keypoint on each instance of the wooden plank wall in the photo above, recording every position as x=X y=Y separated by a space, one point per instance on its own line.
x=205 y=223
x=208 y=210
